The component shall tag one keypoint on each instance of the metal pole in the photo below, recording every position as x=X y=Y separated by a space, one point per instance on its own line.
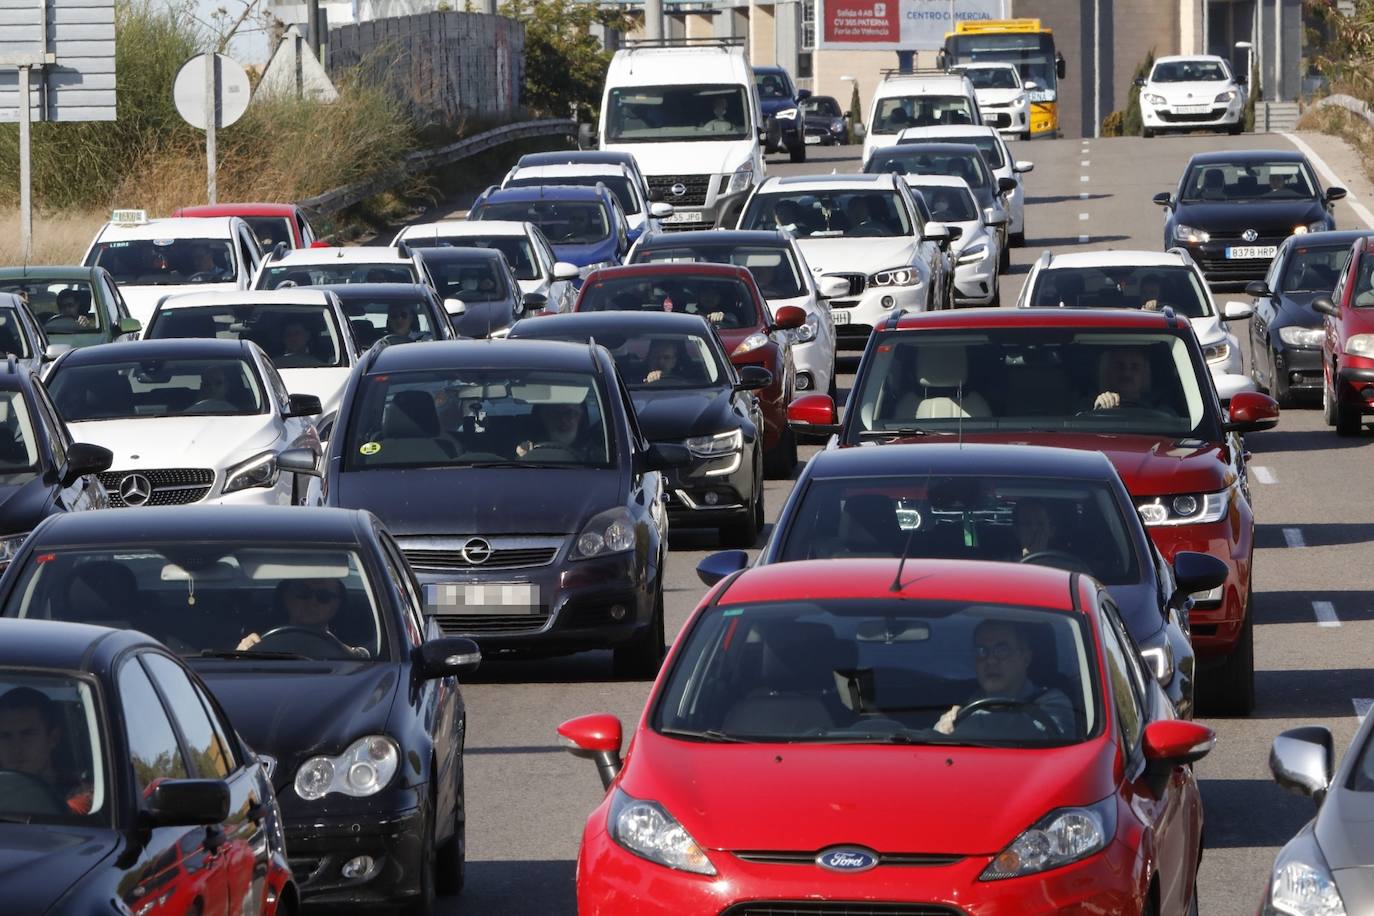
x=312 y=22
x=1097 y=69
x=25 y=172
x=653 y=20
x=211 y=116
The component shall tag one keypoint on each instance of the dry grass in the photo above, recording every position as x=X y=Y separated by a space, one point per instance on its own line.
x=1349 y=127
x=57 y=239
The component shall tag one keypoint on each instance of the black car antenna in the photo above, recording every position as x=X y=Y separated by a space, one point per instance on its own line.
x=896 y=586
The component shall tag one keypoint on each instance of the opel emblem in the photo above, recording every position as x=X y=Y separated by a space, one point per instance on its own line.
x=135 y=490
x=476 y=551
x=1249 y=235
x=678 y=189
x=847 y=859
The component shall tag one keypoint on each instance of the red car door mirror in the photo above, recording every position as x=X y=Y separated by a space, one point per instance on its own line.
x=597 y=737
x=1251 y=411
x=813 y=413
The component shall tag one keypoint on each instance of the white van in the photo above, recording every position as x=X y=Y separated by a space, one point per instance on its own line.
x=923 y=98
x=688 y=111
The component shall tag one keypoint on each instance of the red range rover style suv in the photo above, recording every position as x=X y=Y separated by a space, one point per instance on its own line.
x=1132 y=385
x=1348 y=343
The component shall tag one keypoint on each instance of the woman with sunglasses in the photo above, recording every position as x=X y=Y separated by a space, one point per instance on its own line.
x=307 y=604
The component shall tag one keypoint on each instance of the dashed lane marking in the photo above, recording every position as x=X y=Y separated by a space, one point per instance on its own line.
x=1362 y=706
x=1293 y=537
x=1326 y=614
x=1082 y=216
x=1263 y=474
x=1084 y=239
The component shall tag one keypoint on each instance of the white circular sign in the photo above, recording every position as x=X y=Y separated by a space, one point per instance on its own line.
x=231 y=83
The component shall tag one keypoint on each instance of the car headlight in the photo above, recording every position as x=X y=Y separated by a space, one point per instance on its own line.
x=742 y=179
x=1019 y=102
x=837 y=124
x=1217 y=352
x=646 y=829
x=1301 y=883
x=1062 y=836
x=750 y=343
x=585 y=272
x=612 y=531
x=1302 y=337
x=972 y=255
x=363 y=769
x=9 y=547
x=1153 y=99
x=1184 y=509
x=896 y=276
x=1159 y=655
x=808 y=330
x=1184 y=233
x=716 y=446
x=787 y=114
x=1314 y=226
x=1227 y=96
x=1360 y=345
x=258 y=471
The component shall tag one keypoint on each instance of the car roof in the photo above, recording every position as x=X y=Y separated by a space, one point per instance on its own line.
x=203 y=210
x=544 y=192
x=177 y=524
x=769 y=68
x=572 y=169
x=658 y=269
x=650 y=65
x=292 y=295
x=938 y=131
x=927 y=146
x=855 y=180
x=1118 y=258
x=962 y=459
x=593 y=323
x=35 y=643
x=986 y=65
x=473 y=227
x=1171 y=58
x=973 y=581
x=1246 y=155
x=1038 y=317
x=162 y=348
x=921 y=81
x=187 y=227
x=458 y=252
x=460 y=354
x=365 y=290
x=60 y=272
x=353 y=254
x=576 y=157
x=939 y=181
x=716 y=237
x=1329 y=236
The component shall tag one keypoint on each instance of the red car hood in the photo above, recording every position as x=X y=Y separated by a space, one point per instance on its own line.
x=779 y=797
x=1148 y=465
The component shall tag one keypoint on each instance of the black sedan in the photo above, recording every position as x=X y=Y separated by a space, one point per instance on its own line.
x=308 y=629
x=1286 y=332
x=397 y=311
x=685 y=392
x=123 y=786
x=521 y=489
x=826 y=123
x=1023 y=504
x=1233 y=209
x=481 y=294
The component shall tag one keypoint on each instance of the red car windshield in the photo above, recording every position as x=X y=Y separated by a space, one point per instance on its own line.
x=884 y=671
x=724 y=301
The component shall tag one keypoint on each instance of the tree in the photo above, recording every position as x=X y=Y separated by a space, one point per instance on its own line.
x=565 y=64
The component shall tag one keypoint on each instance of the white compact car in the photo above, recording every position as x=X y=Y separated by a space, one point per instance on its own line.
x=976 y=248
x=189 y=421
x=150 y=259
x=1150 y=280
x=924 y=98
x=328 y=266
x=523 y=243
x=640 y=213
x=1002 y=98
x=998 y=156
x=303 y=331
x=1189 y=93
x=865 y=229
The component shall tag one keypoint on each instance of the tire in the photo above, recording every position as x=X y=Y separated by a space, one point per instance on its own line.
x=781 y=459
x=1236 y=129
x=1328 y=406
x=1278 y=385
x=1347 y=420
x=640 y=660
x=1017 y=239
x=423 y=903
x=742 y=534
x=1147 y=133
x=1232 y=685
x=450 y=870
x=996 y=301
x=797 y=153
x=1004 y=258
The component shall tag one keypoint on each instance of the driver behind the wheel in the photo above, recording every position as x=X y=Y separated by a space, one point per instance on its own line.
x=1126 y=381
x=30 y=731
x=1034 y=527
x=70 y=308
x=1002 y=658
x=561 y=427
x=310 y=604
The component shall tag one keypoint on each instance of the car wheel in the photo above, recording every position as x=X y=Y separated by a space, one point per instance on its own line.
x=797 y=153
x=1017 y=239
x=1147 y=133
x=996 y=300
x=782 y=458
x=1347 y=420
x=1232 y=685
x=451 y=861
x=1237 y=128
x=1328 y=406
x=422 y=904
x=1004 y=259
x=1278 y=385
x=640 y=659
x=742 y=534
x=1024 y=135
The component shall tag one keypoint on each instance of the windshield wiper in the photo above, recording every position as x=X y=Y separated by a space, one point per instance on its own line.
x=250 y=653
x=16 y=818
x=709 y=734
x=515 y=464
x=901 y=431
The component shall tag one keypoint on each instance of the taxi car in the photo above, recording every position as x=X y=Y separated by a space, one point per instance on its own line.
x=91 y=309
x=1348 y=343
x=824 y=735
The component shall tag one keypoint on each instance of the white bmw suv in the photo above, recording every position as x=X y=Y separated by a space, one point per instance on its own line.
x=1188 y=93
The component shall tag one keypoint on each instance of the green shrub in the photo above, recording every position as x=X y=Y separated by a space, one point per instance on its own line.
x=1131 y=123
x=565 y=65
x=1111 y=124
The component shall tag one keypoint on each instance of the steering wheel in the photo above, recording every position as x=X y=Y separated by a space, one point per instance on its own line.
x=1059 y=559
x=392 y=339
x=867 y=232
x=289 y=639
x=1132 y=406
x=204 y=276
x=211 y=404
x=23 y=793
x=552 y=451
x=1026 y=708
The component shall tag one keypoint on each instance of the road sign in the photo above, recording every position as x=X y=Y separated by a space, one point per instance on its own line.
x=897 y=25
x=192 y=92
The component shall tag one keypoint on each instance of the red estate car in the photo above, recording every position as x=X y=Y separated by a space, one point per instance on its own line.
x=1132 y=385
x=727 y=296
x=1348 y=343
x=869 y=736
x=271 y=223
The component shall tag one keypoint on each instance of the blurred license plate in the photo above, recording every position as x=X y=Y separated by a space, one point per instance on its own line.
x=486 y=598
x=1192 y=109
x=813 y=138
x=685 y=216
x=839 y=316
x=1250 y=252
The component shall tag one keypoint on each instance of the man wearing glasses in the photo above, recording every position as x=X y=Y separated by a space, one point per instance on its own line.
x=309 y=604
x=1002 y=658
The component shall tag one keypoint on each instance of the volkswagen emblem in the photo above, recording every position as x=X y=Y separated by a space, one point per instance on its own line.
x=678 y=189
x=135 y=489
x=1249 y=235
x=848 y=859
x=476 y=551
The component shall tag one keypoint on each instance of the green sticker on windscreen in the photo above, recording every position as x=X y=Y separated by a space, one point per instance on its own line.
x=734 y=613
x=370 y=448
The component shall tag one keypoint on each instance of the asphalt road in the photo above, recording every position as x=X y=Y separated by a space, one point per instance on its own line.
x=527 y=799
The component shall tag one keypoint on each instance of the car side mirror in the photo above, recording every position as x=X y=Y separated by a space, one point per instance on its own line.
x=565 y=271
x=1022 y=166
x=533 y=301
x=299 y=461
x=661 y=210
x=1235 y=310
x=304 y=405
x=85 y=458
x=1251 y=412
x=662 y=456
x=1196 y=572
x=455 y=306
x=1242 y=78
x=1259 y=289
x=1030 y=85
x=722 y=563
x=1172 y=743
x=813 y=413
x=828 y=287
x=1163 y=198
x=188 y=802
x=598 y=738
x=130 y=326
x=955 y=232
x=1324 y=305
x=1303 y=761
x=1060 y=68
x=1138 y=81
x=992 y=218
x=1334 y=194
x=54 y=350
x=803 y=95
x=936 y=232
x=1006 y=185
x=788 y=317
x=447 y=656
x=752 y=378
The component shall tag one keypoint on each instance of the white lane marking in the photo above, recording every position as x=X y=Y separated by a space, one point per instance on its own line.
x=1293 y=537
x=1083 y=178
x=1331 y=178
x=1263 y=474
x=1082 y=216
x=1326 y=614
x=1362 y=706
x=1083 y=195
x=1083 y=239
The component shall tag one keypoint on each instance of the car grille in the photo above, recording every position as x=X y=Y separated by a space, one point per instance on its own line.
x=306 y=869
x=1174 y=117
x=997 y=118
x=697 y=186
x=507 y=558
x=788 y=857
x=836 y=908
x=857 y=282
x=167 y=486
x=477 y=624
x=1227 y=235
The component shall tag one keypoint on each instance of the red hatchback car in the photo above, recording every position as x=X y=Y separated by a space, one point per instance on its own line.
x=1348 y=343
x=271 y=223
x=936 y=737
x=727 y=296
x=1132 y=385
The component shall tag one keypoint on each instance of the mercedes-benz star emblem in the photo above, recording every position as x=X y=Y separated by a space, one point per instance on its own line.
x=678 y=189
x=476 y=551
x=135 y=490
x=1249 y=235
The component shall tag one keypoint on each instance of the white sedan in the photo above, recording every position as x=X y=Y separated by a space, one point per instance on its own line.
x=189 y=421
x=975 y=246
x=998 y=156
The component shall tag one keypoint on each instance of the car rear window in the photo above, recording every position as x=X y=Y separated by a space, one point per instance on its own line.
x=774 y=269
x=1150 y=288
x=292 y=336
x=724 y=301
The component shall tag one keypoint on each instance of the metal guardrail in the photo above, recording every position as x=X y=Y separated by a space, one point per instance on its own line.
x=430 y=159
x=1349 y=103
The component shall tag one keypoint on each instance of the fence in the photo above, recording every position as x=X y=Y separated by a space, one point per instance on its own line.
x=445 y=66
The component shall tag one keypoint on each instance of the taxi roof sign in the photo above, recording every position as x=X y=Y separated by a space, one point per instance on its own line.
x=129 y=217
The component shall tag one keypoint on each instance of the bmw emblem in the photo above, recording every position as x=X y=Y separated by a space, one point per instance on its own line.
x=847 y=859
x=1249 y=235
x=678 y=189
x=476 y=551
x=135 y=490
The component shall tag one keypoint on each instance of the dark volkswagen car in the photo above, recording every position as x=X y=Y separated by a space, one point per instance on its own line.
x=397 y=311
x=307 y=628
x=1232 y=209
x=520 y=487
x=685 y=392
x=480 y=292
x=1013 y=503
x=1286 y=331
x=123 y=786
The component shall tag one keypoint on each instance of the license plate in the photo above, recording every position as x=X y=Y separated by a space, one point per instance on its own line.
x=840 y=317
x=1192 y=109
x=685 y=216
x=1250 y=252
x=484 y=598
x=813 y=139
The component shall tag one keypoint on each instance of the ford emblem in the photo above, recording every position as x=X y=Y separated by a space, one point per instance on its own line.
x=1249 y=235
x=848 y=859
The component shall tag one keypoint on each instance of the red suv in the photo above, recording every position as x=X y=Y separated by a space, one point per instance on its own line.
x=1348 y=343
x=728 y=298
x=1132 y=385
